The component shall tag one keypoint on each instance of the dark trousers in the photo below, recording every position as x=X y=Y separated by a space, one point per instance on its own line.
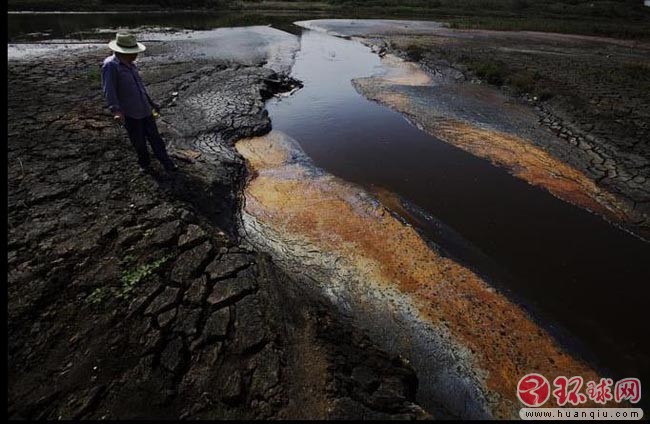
x=145 y=128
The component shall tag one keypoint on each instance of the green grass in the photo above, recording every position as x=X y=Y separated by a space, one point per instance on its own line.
x=496 y=72
x=94 y=74
x=414 y=52
x=129 y=280
x=493 y=72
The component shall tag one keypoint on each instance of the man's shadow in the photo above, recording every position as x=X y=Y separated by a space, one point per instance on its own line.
x=216 y=202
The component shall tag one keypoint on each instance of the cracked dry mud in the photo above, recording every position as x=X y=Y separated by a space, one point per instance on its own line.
x=131 y=296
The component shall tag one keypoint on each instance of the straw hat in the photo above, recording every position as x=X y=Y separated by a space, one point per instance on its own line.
x=125 y=43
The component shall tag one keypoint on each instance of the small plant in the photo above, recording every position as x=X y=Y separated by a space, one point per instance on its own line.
x=414 y=52
x=490 y=71
x=97 y=296
x=94 y=74
x=523 y=81
x=131 y=278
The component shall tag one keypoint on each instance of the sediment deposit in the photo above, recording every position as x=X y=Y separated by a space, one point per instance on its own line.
x=468 y=343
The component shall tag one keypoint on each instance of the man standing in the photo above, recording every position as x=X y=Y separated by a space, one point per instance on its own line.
x=129 y=102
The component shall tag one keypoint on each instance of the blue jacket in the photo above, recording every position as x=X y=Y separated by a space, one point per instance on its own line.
x=124 y=89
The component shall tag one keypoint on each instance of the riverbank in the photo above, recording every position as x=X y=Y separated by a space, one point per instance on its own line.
x=576 y=131
x=303 y=209
x=132 y=296
x=598 y=17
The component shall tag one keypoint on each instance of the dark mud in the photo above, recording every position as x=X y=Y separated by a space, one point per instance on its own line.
x=131 y=296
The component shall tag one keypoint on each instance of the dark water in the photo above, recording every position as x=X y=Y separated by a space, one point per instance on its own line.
x=586 y=280
x=23 y=27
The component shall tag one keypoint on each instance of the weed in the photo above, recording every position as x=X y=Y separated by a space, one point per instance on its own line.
x=94 y=74
x=522 y=81
x=131 y=278
x=491 y=71
x=414 y=52
x=97 y=296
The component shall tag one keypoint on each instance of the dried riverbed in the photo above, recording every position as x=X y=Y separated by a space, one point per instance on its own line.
x=377 y=324
x=132 y=296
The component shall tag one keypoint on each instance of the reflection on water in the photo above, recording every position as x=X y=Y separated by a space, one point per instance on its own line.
x=569 y=265
x=39 y=26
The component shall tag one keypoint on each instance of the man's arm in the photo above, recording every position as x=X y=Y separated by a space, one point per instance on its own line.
x=109 y=87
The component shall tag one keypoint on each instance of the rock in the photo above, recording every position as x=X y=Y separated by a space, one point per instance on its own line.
x=166 y=234
x=194 y=234
x=266 y=374
x=171 y=357
x=163 y=301
x=89 y=401
x=128 y=237
x=233 y=389
x=187 y=216
x=45 y=192
x=227 y=265
x=165 y=318
x=191 y=263
x=187 y=321
x=250 y=328
x=366 y=377
x=216 y=326
x=231 y=290
x=196 y=291
x=150 y=340
x=163 y=212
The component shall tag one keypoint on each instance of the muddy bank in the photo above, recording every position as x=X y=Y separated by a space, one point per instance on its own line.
x=581 y=138
x=469 y=344
x=132 y=296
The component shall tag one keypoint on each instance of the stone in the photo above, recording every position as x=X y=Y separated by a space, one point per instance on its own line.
x=128 y=236
x=194 y=234
x=165 y=318
x=165 y=234
x=227 y=265
x=163 y=212
x=216 y=326
x=365 y=376
x=150 y=340
x=163 y=301
x=267 y=372
x=233 y=388
x=250 y=328
x=232 y=289
x=187 y=321
x=196 y=290
x=171 y=357
x=190 y=263
x=89 y=401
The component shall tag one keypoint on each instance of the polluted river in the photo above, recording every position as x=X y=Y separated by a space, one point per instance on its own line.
x=476 y=276
x=426 y=209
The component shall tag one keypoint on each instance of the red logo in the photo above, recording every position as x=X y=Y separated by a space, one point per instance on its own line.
x=628 y=389
x=568 y=390
x=533 y=390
